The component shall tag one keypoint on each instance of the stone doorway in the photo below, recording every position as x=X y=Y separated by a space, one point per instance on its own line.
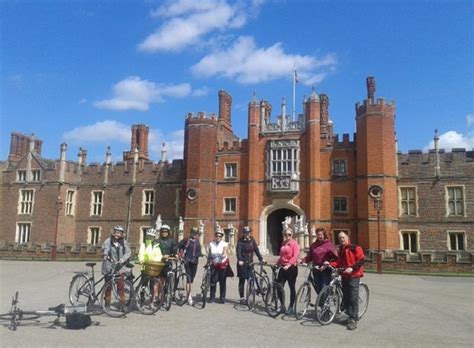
x=274 y=226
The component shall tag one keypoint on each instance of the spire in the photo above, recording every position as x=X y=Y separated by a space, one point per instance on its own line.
x=163 y=152
x=254 y=99
x=314 y=96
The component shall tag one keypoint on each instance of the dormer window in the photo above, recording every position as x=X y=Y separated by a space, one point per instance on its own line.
x=36 y=175
x=21 y=175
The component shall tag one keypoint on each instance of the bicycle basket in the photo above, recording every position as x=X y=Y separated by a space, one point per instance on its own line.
x=154 y=268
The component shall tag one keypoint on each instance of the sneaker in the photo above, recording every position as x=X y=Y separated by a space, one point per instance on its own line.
x=290 y=311
x=221 y=300
x=242 y=301
x=190 y=301
x=351 y=324
x=211 y=300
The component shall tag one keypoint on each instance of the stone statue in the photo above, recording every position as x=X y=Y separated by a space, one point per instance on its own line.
x=158 y=223
x=181 y=224
x=201 y=228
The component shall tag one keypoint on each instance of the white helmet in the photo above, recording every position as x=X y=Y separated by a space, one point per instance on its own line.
x=151 y=232
x=165 y=227
x=118 y=228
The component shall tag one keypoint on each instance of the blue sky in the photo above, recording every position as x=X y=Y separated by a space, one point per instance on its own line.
x=82 y=72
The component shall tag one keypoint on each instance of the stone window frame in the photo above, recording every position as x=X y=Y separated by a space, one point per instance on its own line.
x=26 y=205
x=400 y=200
x=36 y=175
x=70 y=207
x=17 y=232
x=463 y=189
x=148 y=206
x=456 y=232
x=410 y=232
x=235 y=170
x=335 y=240
x=91 y=235
x=21 y=175
x=141 y=233
x=224 y=210
x=344 y=212
x=333 y=166
x=93 y=203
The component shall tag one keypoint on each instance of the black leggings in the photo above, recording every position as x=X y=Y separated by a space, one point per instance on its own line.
x=289 y=275
x=218 y=275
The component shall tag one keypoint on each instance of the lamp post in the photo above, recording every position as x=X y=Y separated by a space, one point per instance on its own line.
x=54 y=248
x=375 y=193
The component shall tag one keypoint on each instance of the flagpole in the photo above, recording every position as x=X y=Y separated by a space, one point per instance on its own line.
x=294 y=93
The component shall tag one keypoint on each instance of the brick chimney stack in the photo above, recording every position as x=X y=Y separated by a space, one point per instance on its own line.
x=225 y=106
x=20 y=146
x=139 y=140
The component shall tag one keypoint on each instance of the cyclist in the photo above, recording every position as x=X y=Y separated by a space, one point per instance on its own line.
x=320 y=251
x=351 y=259
x=246 y=247
x=289 y=253
x=167 y=246
x=115 y=249
x=150 y=251
x=219 y=262
x=190 y=250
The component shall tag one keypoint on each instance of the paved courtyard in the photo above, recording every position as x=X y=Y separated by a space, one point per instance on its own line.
x=404 y=311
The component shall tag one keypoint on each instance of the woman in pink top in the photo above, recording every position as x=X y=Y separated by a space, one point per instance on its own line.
x=289 y=253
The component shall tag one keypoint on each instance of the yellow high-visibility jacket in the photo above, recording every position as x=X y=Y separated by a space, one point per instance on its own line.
x=149 y=252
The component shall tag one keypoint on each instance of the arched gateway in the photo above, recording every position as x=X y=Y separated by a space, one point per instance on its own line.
x=271 y=224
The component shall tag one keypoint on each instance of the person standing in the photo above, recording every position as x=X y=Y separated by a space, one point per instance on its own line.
x=246 y=247
x=320 y=251
x=115 y=250
x=150 y=251
x=219 y=262
x=190 y=250
x=350 y=258
x=289 y=253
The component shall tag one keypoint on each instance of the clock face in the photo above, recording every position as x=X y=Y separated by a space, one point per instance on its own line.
x=191 y=194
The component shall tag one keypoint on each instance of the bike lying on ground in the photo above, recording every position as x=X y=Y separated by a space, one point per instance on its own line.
x=329 y=301
x=115 y=295
x=16 y=315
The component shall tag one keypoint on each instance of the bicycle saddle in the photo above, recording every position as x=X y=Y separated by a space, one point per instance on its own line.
x=91 y=264
x=58 y=309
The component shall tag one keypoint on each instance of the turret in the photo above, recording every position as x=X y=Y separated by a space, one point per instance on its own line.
x=376 y=166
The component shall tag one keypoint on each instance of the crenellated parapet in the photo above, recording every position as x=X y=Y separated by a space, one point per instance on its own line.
x=346 y=143
x=377 y=106
x=201 y=118
x=230 y=146
x=459 y=155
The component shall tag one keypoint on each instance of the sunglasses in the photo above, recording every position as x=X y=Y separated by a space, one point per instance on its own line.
x=288 y=234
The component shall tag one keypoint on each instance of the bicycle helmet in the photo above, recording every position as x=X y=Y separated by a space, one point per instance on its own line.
x=194 y=231
x=246 y=230
x=165 y=228
x=118 y=228
x=151 y=232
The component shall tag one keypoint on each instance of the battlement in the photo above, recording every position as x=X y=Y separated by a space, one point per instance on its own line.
x=420 y=157
x=201 y=118
x=379 y=105
x=345 y=143
x=235 y=145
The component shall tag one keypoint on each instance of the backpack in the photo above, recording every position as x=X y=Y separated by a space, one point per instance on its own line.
x=76 y=321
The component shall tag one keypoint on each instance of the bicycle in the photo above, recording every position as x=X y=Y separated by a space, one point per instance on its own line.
x=257 y=284
x=275 y=297
x=303 y=296
x=82 y=290
x=200 y=300
x=329 y=300
x=17 y=315
x=180 y=292
x=146 y=300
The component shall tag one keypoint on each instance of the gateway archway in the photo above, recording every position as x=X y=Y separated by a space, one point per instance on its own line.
x=274 y=226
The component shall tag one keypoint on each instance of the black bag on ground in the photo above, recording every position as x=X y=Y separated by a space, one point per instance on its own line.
x=76 y=321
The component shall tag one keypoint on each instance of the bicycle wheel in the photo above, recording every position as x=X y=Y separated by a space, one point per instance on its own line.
x=275 y=300
x=180 y=291
x=363 y=299
x=201 y=298
x=117 y=297
x=168 y=291
x=250 y=293
x=303 y=299
x=80 y=290
x=327 y=304
x=146 y=300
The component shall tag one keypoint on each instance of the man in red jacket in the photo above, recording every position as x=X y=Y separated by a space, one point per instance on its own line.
x=350 y=258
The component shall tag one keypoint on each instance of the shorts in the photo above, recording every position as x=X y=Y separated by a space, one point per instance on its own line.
x=191 y=269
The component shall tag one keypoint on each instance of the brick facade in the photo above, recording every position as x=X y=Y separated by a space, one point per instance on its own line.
x=283 y=167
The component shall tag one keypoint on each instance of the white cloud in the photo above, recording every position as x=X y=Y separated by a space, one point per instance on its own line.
x=110 y=131
x=188 y=21
x=470 y=120
x=133 y=93
x=249 y=64
x=100 y=132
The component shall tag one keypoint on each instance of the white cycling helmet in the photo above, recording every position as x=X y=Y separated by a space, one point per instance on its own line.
x=151 y=232
x=118 y=228
x=165 y=228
